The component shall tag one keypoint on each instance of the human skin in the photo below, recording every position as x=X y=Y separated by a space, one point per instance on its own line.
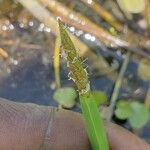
x=26 y=126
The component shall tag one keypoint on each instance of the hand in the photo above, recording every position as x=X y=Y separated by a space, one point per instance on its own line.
x=34 y=127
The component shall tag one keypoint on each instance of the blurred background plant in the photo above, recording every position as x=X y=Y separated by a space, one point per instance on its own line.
x=113 y=35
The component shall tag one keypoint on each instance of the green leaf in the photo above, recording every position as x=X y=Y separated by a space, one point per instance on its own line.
x=65 y=96
x=94 y=123
x=132 y=6
x=140 y=115
x=123 y=110
x=99 y=96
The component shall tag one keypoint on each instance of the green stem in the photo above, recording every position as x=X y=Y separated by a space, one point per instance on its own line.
x=117 y=87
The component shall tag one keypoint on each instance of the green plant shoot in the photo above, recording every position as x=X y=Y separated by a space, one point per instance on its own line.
x=93 y=121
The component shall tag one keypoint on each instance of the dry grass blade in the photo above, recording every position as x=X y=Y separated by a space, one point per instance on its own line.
x=117 y=87
x=105 y=14
x=22 y=45
x=3 y=53
x=79 y=21
x=57 y=61
x=147 y=14
x=40 y=13
x=147 y=100
x=83 y=23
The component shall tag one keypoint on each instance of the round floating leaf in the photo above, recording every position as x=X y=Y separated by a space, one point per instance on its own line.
x=140 y=116
x=123 y=110
x=132 y=6
x=65 y=96
x=99 y=96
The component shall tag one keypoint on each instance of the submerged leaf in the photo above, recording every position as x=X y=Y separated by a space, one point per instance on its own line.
x=66 y=97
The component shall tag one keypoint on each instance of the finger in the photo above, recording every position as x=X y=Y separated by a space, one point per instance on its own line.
x=22 y=126
x=29 y=126
x=121 y=139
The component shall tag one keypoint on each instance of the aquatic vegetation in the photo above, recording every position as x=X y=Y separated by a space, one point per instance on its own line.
x=136 y=113
x=117 y=87
x=93 y=121
x=65 y=97
x=57 y=62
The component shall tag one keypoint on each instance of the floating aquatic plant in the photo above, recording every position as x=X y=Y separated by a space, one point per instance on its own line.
x=136 y=113
x=94 y=123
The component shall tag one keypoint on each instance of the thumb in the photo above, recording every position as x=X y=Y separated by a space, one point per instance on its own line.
x=121 y=139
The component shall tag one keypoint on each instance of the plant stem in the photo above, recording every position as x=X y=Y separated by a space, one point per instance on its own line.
x=117 y=87
x=106 y=15
x=147 y=100
x=57 y=61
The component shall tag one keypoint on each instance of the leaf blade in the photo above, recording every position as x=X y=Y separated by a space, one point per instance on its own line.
x=94 y=123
